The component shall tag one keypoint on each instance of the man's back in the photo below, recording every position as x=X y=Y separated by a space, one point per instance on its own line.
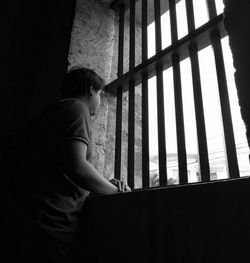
x=53 y=198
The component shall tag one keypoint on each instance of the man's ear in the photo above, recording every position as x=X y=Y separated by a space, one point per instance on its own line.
x=91 y=90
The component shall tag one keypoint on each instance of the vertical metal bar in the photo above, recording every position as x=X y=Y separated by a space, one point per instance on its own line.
x=161 y=128
x=211 y=9
x=173 y=21
x=131 y=122
x=132 y=35
x=157 y=10
x=190 y=15
x=131 y=134
x=199 y=111
x=225 y=108
x=145 y=128
x=118 y=138
x=145 y=133
x=144 y=19
x=181 y=145
x=160 y=100
x=232 y=162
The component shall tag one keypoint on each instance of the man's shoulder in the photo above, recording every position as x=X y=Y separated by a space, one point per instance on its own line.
x=73 y=106
x=72 y=102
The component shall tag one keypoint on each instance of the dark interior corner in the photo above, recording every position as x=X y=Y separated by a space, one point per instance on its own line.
x=34 y=50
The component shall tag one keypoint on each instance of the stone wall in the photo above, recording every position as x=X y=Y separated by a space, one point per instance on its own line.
x=94 y=44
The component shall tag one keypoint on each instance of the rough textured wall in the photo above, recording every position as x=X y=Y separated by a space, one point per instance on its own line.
x=237 y=25
x=94 y=44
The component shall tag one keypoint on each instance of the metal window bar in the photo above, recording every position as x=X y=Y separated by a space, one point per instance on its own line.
x=145 y=128
x=118 y=137
x=131 y=113
x=188 y=46
x=181 y=145
x=232 y=162
x=201 y=36
x=157 y=10
x=199 y=111
x=160 y=100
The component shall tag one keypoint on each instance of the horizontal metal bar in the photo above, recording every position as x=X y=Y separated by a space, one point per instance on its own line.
x=200 y=36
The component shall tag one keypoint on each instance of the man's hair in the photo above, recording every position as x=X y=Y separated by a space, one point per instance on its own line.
x=78 y=80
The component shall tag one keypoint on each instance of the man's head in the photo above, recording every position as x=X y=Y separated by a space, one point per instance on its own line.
x=83 y=83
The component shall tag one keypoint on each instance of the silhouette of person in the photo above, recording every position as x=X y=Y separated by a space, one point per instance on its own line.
x=57 y=175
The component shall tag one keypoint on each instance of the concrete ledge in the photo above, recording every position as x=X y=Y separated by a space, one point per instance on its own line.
x=194 y=223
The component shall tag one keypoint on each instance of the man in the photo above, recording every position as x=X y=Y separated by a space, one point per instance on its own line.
x=57 y=175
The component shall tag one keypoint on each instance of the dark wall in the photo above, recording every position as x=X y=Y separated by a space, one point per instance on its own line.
x=237 y=23
x=35 y=38
x=195 y=223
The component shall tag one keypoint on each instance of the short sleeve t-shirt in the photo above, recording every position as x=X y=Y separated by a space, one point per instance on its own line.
x=54 y=199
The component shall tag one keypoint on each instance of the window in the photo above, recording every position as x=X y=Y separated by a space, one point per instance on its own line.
x=191 y=125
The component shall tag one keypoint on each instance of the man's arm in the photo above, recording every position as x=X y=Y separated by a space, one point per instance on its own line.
x=80 y=171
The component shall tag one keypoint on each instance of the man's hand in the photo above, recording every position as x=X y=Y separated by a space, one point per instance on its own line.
x=120 y=184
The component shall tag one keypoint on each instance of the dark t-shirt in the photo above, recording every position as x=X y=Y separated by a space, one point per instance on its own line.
x=53 y=198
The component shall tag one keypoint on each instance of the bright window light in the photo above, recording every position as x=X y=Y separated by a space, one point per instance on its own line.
x=212 y=111
x=200 y=12
x=219 y=6
x=181 y=16
x=238 y=124
x=211 y=104
x=189 y=122
x=153 y=132
x=170 y=127
x=151 y=40
x=165 y=30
